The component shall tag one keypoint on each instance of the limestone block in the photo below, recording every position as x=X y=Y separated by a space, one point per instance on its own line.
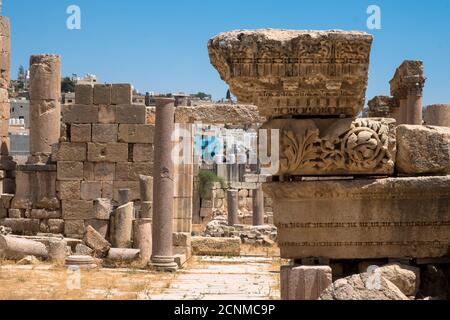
x=423 y=149
x=6 y=200
x=304 y=282
x=406 y=278
x=381 y=107
x=438 y=115
x=84 y=94
x=4 y=96
x=104 y=171
x=88 y=173
x=4 y=127
x=3 y=213
x=132 y=185
x=91 y=190
x=219 y=113
x=335 y=146
x=107 y=189
x=103 y=209
x=5 y=109
x=372 y=218
x=67 y=151
x=104 y=133
x=80 y=114
x=70 y=170
x=15 y=214
x=277 y=70
x=74 y=228
x=77 y=209
x=216 y=246
x=130 y=171
x=136 y=133
x=107 y=114
x=358 y=287
x=81 y=132
x=69 y=190
x=96 y=242
x=57 y=251
x=102 y=94
x=130 y=114
x=21 y=226
x=107 y=152
x=182 y=239
x=45 y=214
x=83 y=250
x=121 y=94
x=56 y=226
x=182 y=224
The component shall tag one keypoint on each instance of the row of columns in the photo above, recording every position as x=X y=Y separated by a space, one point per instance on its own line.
x=233 y=207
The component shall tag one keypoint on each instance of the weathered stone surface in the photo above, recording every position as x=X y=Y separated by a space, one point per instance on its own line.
x=136 y=133
x=70 y=170
x=102 y=94
x=406 y=278
x=107 y=152
x=121 y=93
x=202 y=246
x=335 y=147
x=74 y=228
x=438 y=115
x=423 y=149
x=5 y=51
x=103 y=209
x=146 y=188
x=219 y=113
x=91 y=190
x=68 y=190
x=142 y=238
x=130 y=171
x=83 y=250
x=182 y=239
x=130 y=114
x=21 y=226
x=123 y=226
x=84 y=94
x=96 y=242
x=45 y=77
x=293 y=72
x=381 y=107
x=410 y=74
x=363 y=287
x=77 y=209
x=57 y=251
x=80 y=114
x=104 y=133
x=104 y=171
x=69 y=152
x=123 y=255
x=371 y=218
x=81 y=132
x=143 y=152
x=18 y=248
x=107 y=114
x=304 y=282
x=132 y=185
x=101 y=226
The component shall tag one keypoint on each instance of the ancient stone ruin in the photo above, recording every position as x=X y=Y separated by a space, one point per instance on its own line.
x=349 y=191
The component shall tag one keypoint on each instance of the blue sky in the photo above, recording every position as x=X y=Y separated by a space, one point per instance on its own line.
x=161 y=45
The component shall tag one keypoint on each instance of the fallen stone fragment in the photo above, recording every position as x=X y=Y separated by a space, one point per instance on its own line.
x=123 y=255
x=28 y=260
x=16 y=248
x=83 y=250
x=363 y=287
x=57 y=251
x=423 y=150
x=96 y=242
x=203 y=246
x=406 y=278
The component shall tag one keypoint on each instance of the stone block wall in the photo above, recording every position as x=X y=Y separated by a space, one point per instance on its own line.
x=105 y=146
x=216 y=201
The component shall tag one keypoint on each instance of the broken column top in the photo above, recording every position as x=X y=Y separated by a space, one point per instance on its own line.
x=295 y=72
x=410 y=74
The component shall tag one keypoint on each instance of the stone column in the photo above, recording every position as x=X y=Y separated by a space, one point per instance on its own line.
x=438 y=115
x=233 y=207
x=403 y=119
x=5 y=44
x=163 y=191
x=45 y=106
x=415 y=112
x=258 y=207
x=304 y=282
x=124 y=196
x=142 y=238
x=146 y=190
x=123 y=226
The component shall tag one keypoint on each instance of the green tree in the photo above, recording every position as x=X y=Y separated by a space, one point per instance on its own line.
x=228 y=95
x=202 y=95
x=67 y=85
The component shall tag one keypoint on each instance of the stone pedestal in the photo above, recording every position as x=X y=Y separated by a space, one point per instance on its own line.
x=45 y=107
x=258 y=207
x=304 y=282
x=362 y=218
x=438 y=115
x=142 y=238
x=163 y=191
x=233 y=207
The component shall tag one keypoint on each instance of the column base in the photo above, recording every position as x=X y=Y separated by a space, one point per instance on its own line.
x=163 y=264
